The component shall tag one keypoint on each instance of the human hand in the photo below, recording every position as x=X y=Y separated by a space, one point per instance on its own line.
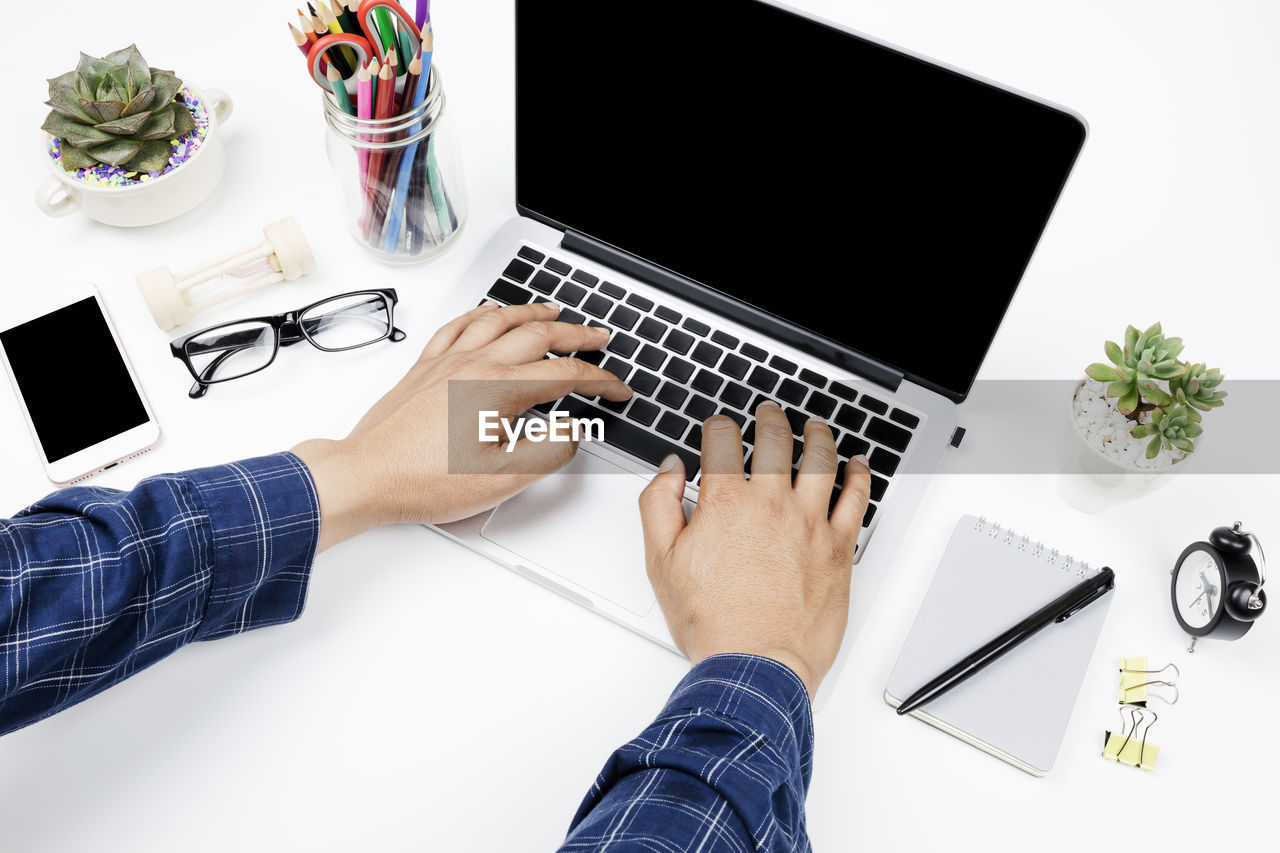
x=760 y=568
x=416 y=455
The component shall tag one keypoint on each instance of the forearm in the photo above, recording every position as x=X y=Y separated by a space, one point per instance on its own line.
x=97 y=584
x=725 y=766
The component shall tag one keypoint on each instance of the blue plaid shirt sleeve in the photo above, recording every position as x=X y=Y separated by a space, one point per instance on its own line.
x=97 y=584
x=725 y=767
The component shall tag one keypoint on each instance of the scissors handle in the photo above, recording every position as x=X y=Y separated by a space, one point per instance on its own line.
x=316 y=56
x=367 y=19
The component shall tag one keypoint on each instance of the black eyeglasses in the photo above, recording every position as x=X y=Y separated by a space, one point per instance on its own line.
x=235 y=350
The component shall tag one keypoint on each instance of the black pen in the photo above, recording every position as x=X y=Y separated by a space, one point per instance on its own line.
x=1078 y=598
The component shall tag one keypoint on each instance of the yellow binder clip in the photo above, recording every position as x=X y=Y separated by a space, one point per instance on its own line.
x=1129 y=746
x=1136 y=679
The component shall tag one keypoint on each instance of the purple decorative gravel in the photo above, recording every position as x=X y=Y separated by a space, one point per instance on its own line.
x=184 y=148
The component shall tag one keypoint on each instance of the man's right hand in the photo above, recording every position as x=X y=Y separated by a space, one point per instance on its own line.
x=760 y=568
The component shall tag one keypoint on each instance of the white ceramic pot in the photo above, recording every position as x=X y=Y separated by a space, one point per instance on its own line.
x=1092 y=482
x=158 y=200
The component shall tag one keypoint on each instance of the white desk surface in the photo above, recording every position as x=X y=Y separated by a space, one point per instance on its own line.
x=430 y=700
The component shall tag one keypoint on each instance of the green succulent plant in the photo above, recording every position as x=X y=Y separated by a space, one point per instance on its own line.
x=1137 y=369
x=116 y=110
x=1172 y=428
x=1197 y=389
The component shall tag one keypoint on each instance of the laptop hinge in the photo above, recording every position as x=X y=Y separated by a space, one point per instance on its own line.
x=699 y=294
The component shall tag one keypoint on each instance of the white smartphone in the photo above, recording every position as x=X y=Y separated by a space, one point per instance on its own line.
x=79 y=394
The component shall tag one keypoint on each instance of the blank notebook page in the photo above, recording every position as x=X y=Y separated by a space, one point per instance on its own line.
x=1018 y=707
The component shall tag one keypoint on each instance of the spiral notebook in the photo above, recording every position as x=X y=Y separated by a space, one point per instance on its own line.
x=1017 y=708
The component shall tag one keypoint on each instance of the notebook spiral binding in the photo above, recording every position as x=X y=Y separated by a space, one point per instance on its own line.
x=1036 y=548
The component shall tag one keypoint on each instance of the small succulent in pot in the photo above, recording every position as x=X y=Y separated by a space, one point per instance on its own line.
x=1145 y=376
x=1171 y=428
x=117 y=111
x=1136 y=370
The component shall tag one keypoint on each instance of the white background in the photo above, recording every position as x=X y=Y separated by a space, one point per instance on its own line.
x=430 y=700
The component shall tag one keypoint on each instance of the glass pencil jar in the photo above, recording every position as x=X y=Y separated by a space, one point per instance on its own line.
x=400 y=178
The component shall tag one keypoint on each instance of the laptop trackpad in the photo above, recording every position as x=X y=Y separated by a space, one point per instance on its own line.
x=582 y=524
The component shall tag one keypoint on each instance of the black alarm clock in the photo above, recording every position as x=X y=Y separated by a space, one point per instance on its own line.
x=1217 y=585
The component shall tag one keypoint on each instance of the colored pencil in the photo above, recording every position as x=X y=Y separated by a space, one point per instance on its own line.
x=374 y=70
x=364 y=111
x=346 y=10
x=340 y=93
x=423 y=14
x=409 y=97
x=382 y=110
x=386 y=29
x=343 y=57
x=414 y=92
x=311 y=9
x=300 y=39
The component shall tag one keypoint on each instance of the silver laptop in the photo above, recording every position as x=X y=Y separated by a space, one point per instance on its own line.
x=758 y=205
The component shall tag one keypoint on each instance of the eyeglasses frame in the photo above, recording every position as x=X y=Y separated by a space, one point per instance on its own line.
x=287 y=330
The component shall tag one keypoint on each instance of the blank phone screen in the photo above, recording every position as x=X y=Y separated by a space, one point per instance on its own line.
x=73 y=379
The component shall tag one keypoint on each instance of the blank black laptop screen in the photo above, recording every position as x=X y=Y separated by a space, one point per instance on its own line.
x=875 y=199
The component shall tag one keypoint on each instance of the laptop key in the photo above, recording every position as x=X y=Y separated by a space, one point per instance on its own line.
x=890 y=435
x=635 y=300
x=673 y=425
x=644 y=383
x=597 y=306
x=694 y=438
x=633 y=439
x=907 y=419
x=518 y=271
x=851 y=446
x=738 y=417
x=594 y=356
x=735 y=395
x=583 y=277
x=763 y=379
x=665 y=313
x=870 y=514
x=617 y=367
x=844 y=392
x=531 y=254
x=707 y=382
x=571 y=317
x=608 y=288
x=644 y=412
x=570 y=294
x=791 y=391
x=798 y=419
x=697 y=327
x=544 y=282
x=652 y=330
x=623 y=345
x=705 y=353
x=754 y=352
x=817 y=380
x=850 y=418
x=700 y=408
x=884 y=462
x=724 y=339
x=624 y=317
x=781 y=364
x=879 y=485
x=678 y=369
x=872 y=404
x=558 y=266
x=672 y=396
x=734 y=366
x=651 y=357
x=821 y=405
x=512 y=294
x=678 y=342
x=615 y=405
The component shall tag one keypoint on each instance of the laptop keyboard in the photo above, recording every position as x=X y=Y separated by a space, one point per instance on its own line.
x=683 y=371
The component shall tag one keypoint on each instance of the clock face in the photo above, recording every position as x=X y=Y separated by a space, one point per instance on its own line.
x=1198 y=589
